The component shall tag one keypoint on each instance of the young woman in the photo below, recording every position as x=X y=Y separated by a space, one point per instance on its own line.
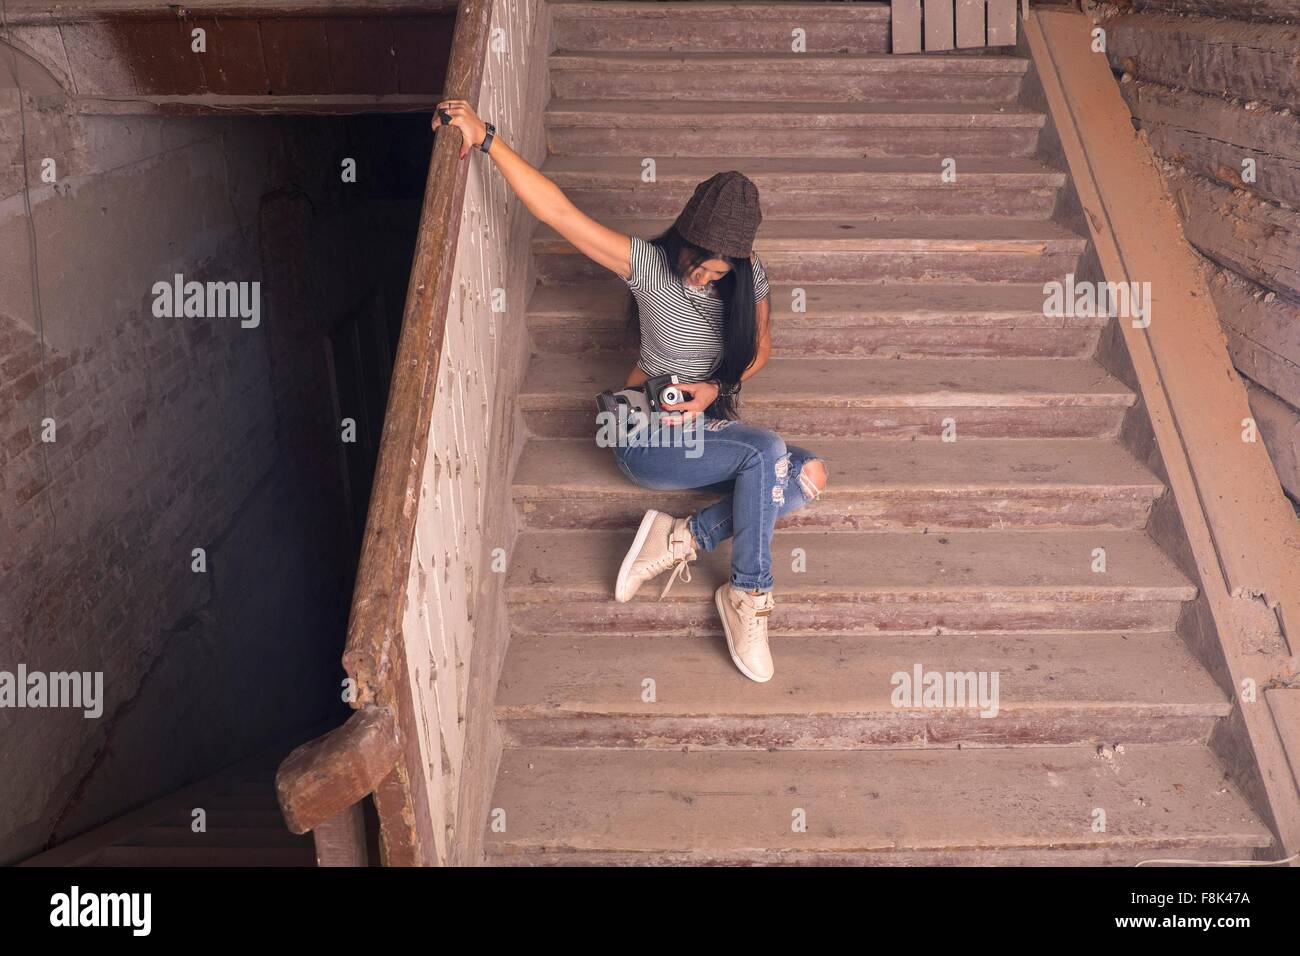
x=700 y=306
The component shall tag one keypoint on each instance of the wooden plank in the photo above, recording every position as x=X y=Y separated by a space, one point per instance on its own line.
x=1263 y=336
x=970 y=23
x=1256 y=239
x=1002 y=23
x=1211 y=136
x=1240 y=9
x=325 y=776
x=1255 y=61
x=939 y=25
x=905 y=26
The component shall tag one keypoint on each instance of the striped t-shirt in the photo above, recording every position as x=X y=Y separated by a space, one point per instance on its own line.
x=681 y=327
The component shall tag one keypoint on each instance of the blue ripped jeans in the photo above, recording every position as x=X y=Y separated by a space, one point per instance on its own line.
x=759 y=474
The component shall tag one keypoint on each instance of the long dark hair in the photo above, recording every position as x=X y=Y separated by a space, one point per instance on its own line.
x=740 y=329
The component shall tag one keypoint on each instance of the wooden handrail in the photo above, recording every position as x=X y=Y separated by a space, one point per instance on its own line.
x=377 y=750
x=386 y=548
x=327 y=775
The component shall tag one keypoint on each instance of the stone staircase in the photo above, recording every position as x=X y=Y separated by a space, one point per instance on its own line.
x=924 y=304
x=243 y=827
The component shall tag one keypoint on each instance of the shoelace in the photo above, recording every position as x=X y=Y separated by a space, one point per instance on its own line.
x=681 y=568
x=753 y=628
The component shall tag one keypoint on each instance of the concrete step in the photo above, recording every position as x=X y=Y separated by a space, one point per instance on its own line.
x=902 y=320
x=863 y=250
x=971 y=806
x=744 y=27
x=875 y=486
x=609 y=127
x=793 y=187
x=777 y=76
x=881 y=398
x=837 y=692
x=561 y=582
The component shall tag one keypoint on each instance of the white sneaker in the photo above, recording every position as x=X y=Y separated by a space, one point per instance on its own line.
x=662 y=542
x=744 y=620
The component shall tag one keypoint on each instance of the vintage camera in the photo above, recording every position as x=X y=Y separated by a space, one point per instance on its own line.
x=658 y=390
x=664 y=390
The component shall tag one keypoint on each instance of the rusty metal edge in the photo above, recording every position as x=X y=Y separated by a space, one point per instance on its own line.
x=1176 y=428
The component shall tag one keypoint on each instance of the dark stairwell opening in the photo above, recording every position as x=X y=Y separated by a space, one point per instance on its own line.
x=192 y=532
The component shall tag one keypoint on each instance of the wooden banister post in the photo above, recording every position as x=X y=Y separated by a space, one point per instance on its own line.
x=322 y=783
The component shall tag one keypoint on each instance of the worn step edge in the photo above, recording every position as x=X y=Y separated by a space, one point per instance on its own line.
x=737 y=805
x=841 y=64
x=554 y=678
x=756 y=10
x=808 y=117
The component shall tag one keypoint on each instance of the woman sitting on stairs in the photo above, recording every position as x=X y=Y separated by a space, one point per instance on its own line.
x=700 y=306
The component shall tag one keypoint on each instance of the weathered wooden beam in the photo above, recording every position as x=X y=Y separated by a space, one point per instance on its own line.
x=1241 y=9
x=1279 y=430
x=1212 y=136
x=1254 y=238
x=1263 y=332
x=325 y=776
x=1256 y=61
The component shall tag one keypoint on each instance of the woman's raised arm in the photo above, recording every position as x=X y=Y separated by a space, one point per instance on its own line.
x=544 y=199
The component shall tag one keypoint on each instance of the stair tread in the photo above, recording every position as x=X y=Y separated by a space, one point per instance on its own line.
x=1019 y=304
x=812 y=61
x=564 y=467
x=617 y=9
x=810 y=114
x=572 y=380
x=552 y=567
x=549 y=676
x=693 y=168
x=1027 y=236
x=708 y=802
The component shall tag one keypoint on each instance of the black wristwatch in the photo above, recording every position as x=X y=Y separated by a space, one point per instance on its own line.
x=487 y=140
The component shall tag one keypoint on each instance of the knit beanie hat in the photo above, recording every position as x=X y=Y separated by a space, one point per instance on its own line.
x=723 y=215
